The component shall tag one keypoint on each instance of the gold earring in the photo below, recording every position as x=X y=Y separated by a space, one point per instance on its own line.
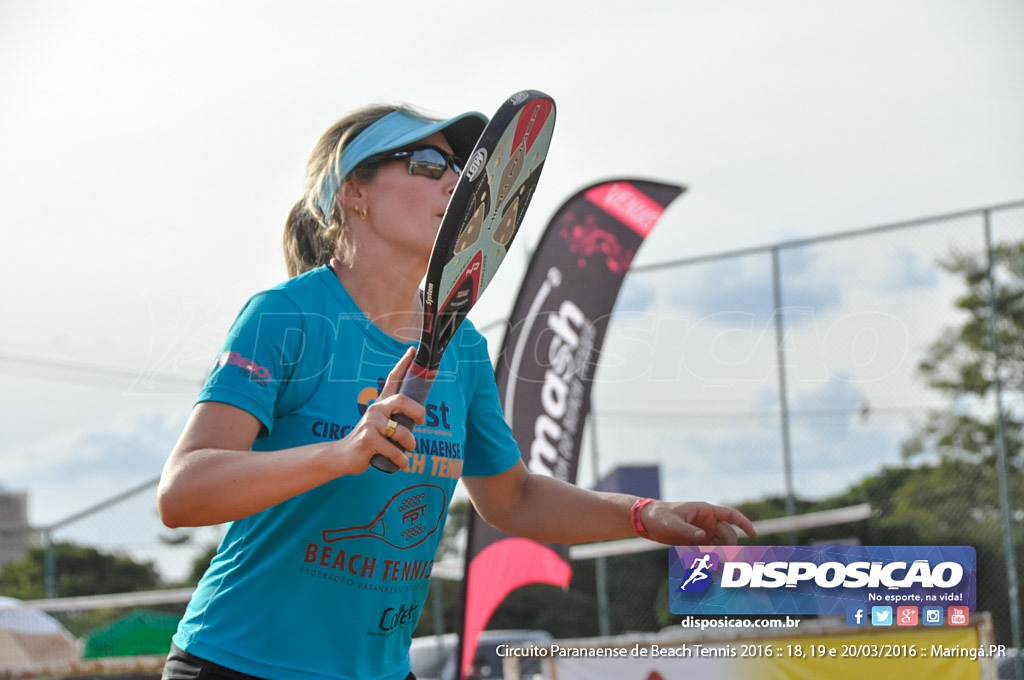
x=363 y=212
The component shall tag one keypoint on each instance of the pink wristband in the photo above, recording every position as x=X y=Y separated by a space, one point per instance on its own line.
x=634 y=516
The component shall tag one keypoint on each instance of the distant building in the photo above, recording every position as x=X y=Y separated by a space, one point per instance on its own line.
x=639 y=480
x=15 y=531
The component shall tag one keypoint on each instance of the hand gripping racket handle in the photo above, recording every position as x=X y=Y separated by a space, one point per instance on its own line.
x=416 y=385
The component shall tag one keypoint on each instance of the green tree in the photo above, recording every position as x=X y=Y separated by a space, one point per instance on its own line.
x=199 y=565
x=947 y=492
x=80 y=570
x=955 y=498
x=453 y=539
x=962 y=363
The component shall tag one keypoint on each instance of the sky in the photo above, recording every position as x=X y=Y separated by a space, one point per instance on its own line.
x=150 y=152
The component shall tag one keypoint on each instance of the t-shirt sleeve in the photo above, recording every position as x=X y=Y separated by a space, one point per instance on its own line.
x=490 y=446
x=254 y=366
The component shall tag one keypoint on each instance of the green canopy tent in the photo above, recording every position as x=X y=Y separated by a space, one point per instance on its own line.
x=141 y=632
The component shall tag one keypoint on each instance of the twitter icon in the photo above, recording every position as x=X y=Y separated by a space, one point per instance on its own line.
x=881 y=616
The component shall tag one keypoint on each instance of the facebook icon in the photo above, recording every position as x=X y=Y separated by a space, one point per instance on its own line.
x=856 y=616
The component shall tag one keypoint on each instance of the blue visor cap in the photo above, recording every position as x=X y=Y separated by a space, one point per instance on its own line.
x=395 y=131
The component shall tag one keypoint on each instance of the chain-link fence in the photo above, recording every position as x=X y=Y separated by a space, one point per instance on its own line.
x=786 y=378
x=796 y=377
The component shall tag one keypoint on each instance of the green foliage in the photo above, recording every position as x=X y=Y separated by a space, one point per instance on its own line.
x=956 y=500
x=199 y=565
x=568 y=613
x=454 y=530
x=949 y=492
x=572 y=613
x=962 y=362
x=80 y=570
x=448 y=592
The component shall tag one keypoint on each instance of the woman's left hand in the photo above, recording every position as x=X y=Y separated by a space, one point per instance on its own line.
x=694 y=523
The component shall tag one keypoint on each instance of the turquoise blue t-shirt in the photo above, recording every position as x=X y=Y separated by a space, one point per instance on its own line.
x=330 y=584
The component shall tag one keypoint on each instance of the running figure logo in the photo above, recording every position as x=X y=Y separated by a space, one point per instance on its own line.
x=698 y=571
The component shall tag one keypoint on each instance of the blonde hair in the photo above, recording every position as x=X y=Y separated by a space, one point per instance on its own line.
x=305 y=242
x=310 y=238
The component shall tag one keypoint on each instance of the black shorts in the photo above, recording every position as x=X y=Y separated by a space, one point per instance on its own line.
x=184 y=666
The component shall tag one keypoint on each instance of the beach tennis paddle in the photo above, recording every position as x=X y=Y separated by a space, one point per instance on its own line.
x=483 y=216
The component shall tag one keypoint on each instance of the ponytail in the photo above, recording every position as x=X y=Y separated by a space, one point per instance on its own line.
x=305 y=243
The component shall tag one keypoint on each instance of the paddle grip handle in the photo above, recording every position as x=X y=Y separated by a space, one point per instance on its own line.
x=416 y=386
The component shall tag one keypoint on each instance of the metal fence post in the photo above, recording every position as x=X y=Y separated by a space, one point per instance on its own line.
x=600 y=565
x=1004 y=487
x=780 y=354
x=49 y=564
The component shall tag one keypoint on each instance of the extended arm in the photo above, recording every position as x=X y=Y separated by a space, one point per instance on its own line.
x=545 y=509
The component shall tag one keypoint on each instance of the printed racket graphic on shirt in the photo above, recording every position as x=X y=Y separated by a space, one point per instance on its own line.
x=407 y=519
x=483 y=216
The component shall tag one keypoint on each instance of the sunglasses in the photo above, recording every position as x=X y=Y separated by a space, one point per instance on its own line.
x=428 y=161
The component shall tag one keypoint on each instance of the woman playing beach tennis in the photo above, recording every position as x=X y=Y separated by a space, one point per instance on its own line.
x=326 y=560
